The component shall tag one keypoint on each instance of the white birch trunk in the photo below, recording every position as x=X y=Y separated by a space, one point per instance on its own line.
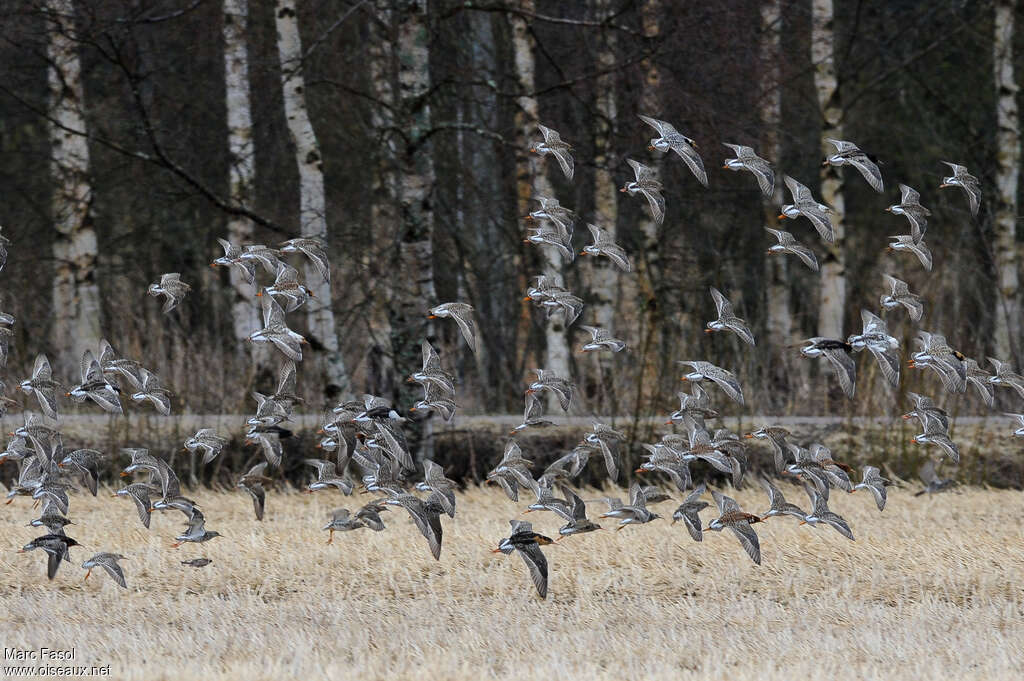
x=417 y=173
x=780 y=314
x=534 y=182
x=1008 y=152
x=384 y=209
x=312 y=203
x=603 y=275
x=76 y=297
x=244 y=307
x=833 y=268
x=647 y=259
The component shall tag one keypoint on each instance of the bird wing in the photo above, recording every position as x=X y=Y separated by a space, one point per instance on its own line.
x=799 y=191
x=726 y=382
x=466 y=325
x=41 y=368
x=748 y=539
x=869 y=169
x=662 y=127
x=641 y=171
x=845 y=369
x=762 y=171
x=691 y=158
x=888 y=362
x=692 y=521
x=821 y=222
x=722 y=303
x=923 y=254
x=564 y=160
x=115 y=571
x=538 y=566
x=737 y=326
x=725 y=504
x=318 y=257
x=805 y=254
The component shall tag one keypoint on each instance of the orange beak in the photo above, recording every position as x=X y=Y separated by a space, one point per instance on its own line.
x=684 y=378
x=650 y=147
x=782 y=216
x=124 y=475
x=709 y=330
x=748 y=436
x=431 y=316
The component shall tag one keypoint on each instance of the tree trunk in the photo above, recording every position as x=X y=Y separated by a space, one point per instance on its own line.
x=650 y=320
x=777 y=286
x=76 y=298
x=312 y=204
x=1007 y=252
x=244 y=308
x=603 y=275
x=533 y=182
x=416 y=187
x=833 y=267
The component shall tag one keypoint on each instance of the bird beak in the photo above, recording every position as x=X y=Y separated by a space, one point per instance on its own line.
x=431 y=316
x=259 y=294
x=802 y=522
x=709 y=331
x=684 y=378
x=623 y=190
x=529 y=218
x=668 y=423
x=533 y=150
x=650 y=147
x=914 y=440
x=723 y=167
x=124 y=475
x=943 y=185
x=527 y=298
x=748 y=436
x=782 y=216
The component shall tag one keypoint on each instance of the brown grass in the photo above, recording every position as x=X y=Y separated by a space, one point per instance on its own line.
x=932 y=588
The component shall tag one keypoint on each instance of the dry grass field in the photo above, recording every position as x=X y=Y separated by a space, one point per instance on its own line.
x=932 y=588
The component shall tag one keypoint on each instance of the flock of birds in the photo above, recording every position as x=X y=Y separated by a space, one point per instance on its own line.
x=368 y=432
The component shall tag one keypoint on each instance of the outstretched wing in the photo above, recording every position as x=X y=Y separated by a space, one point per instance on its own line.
x=538 y=566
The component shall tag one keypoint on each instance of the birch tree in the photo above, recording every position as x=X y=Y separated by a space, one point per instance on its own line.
x=244 y=309
x=779 y=307
x=532 y=180
x=603 y=274
x=415 y=184
x=76 y=298
x=312 y=204
x=833 y=266
x=403 y=210
x=1008 y=152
